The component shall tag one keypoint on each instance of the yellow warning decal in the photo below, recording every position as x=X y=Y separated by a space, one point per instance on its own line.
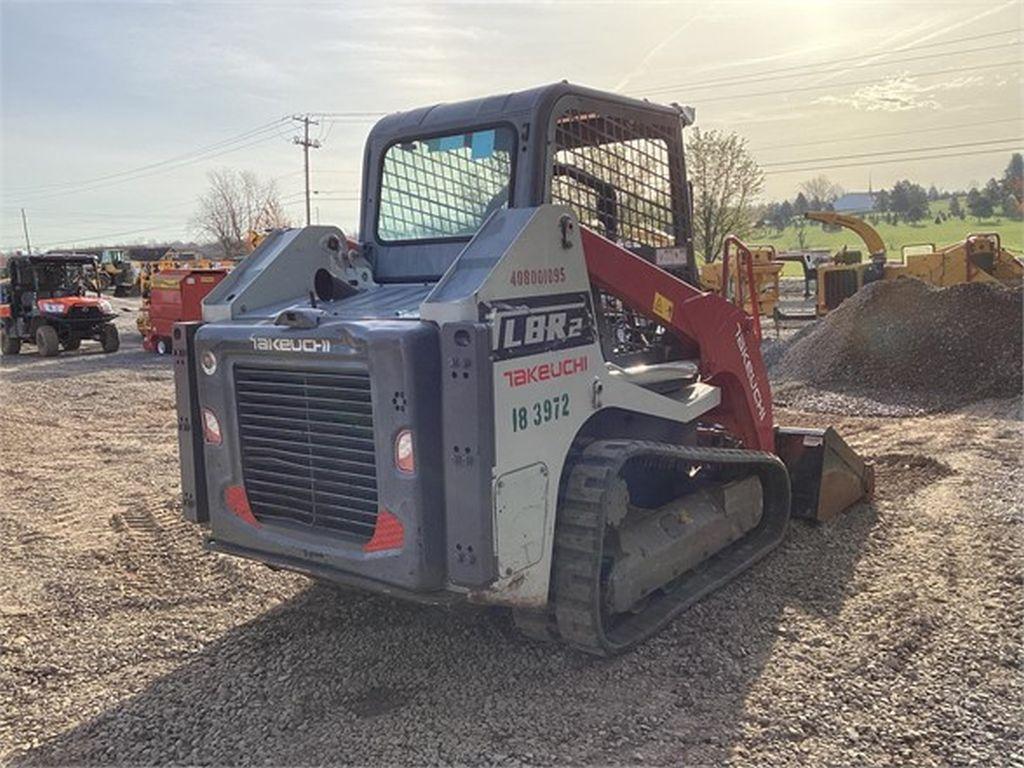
x=662 y=307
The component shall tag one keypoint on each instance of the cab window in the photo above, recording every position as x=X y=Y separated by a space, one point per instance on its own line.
x=444 y=187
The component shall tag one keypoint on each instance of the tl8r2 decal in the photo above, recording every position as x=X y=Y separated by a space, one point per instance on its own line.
x=529 y=326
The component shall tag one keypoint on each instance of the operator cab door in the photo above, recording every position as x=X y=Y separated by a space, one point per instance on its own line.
x=620 y=168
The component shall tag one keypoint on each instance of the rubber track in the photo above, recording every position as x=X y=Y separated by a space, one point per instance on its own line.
x=579 y=541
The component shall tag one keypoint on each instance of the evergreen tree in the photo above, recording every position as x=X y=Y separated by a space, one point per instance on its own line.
x=800 y=205
x=978 y=204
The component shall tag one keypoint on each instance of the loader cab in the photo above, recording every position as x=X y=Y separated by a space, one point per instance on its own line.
x=432 y=176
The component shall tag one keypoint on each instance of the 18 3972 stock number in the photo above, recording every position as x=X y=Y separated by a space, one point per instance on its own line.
x=540 y=412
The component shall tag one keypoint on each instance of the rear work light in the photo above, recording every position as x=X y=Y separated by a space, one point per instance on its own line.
x=405 y=460
x=208 y=361
x=211 y=427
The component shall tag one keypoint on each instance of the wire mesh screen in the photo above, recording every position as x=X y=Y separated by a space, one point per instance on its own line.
x=615 y=174
x=444 y=187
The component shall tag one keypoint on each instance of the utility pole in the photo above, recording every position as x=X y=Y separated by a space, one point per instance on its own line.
x=24 y=225
x=305 y=143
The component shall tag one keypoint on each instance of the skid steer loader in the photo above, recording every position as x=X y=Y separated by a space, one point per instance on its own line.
x=511 y=392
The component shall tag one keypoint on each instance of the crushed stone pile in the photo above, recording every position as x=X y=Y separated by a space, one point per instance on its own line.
x=908 y=346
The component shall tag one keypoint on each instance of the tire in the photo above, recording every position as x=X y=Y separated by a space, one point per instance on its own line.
x=9 y=345
x=163 y=346
x=109 y=339
x=72 y=343
x=46 y=341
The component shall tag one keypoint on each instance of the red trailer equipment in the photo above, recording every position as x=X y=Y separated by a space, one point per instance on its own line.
x=176 y=295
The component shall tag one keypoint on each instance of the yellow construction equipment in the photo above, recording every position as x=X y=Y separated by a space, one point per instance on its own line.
x=176 y=260
x=867 y=233
x=977 y=258
x=766 y=272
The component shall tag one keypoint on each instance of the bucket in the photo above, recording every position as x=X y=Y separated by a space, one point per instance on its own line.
x=826 y=474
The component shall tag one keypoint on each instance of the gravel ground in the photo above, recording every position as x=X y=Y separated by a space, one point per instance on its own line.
x=892 y=636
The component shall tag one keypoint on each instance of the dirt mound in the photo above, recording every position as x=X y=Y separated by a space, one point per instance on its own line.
x=905 y=342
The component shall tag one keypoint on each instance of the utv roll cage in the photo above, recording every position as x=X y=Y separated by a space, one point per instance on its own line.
x=26 y=273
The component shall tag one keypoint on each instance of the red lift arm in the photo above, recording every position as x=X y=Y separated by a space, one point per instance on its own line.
x=721 y=335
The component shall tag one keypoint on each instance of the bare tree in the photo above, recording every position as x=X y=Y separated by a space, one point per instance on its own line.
x=822 y=188
x=726 y=179
x=235 y=205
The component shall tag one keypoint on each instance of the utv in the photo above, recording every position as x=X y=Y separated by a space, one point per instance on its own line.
x=45 y=304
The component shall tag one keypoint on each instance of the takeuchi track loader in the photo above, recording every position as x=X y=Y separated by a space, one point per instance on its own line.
x=511 y=392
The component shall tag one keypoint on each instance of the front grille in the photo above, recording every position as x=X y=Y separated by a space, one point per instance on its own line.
x=307 y=448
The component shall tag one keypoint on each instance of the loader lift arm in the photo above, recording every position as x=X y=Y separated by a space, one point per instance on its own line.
x=721 y=335
x=867 y=233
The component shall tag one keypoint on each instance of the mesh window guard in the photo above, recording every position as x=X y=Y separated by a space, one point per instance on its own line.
x=444 y=187
x=615 y=174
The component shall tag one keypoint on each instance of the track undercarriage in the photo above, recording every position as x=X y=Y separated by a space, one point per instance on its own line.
x=646 y=529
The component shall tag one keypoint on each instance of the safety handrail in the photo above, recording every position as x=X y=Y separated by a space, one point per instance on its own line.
x=742 y=250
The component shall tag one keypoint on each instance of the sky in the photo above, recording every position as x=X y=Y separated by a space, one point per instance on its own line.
x=112 y=114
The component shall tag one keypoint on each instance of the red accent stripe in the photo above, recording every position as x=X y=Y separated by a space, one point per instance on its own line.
x=238 y=503
x=389 y=533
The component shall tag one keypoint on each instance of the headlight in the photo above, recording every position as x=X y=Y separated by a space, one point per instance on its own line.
x=53 y=307
x=106 y=307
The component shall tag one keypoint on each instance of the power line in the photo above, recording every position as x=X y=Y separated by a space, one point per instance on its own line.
x=890 y=161
x=829 y=62
x=953 y=70
x=261 y=134
x=348 y=114
x=836 y=140
x=51 y=216
x=890 y=152
x=815 y=71
x=178 y=158
x=155 y=172
x=100 y=238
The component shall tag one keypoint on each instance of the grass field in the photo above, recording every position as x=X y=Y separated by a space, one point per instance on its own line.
x=895 y=236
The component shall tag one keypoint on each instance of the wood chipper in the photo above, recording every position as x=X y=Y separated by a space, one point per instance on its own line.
x=175 y=295
x=497 y=396
x=977 y=258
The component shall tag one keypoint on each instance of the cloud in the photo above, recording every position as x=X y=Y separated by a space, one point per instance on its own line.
x=641 y=68
x=899 y=93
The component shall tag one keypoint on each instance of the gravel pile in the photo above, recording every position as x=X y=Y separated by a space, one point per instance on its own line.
x=902 y=347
